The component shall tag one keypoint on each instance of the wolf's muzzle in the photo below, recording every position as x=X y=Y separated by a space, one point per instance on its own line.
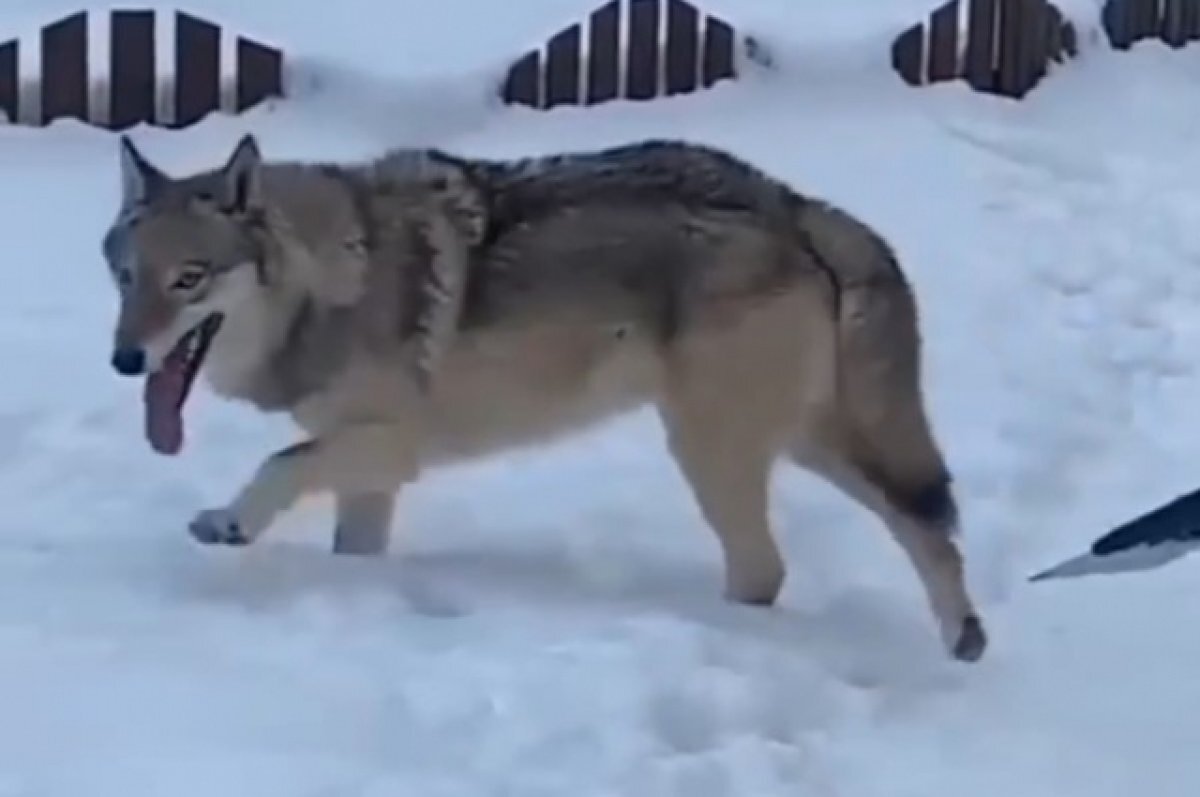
x=129 y=362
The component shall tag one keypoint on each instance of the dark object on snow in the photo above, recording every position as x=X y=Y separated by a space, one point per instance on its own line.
x=1144 y=543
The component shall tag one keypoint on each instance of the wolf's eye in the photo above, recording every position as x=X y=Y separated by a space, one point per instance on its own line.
x=190 y=276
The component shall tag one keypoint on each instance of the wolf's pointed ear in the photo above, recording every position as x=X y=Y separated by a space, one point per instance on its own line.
x=241 y=177
x=139 y=178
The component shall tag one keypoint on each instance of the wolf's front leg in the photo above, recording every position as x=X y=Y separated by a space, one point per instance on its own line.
x=364 y=521
x=363 y=464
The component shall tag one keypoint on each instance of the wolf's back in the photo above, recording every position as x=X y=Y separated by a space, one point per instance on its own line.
x=641 y=173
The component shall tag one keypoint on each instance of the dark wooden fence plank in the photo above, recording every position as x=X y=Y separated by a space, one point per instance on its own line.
x=908 y=52
x=717 y=62
x=980 y=70
x=1070 y=39
x=943 y=43
x=604 y=54
x=1034 y=44
x=1011 y=28
x=197 y=69
x=642 y=57
x=1116 y=18
x=1190 y=24
x=133 y=79
x=683 y=48
x=1055 y=46
x=1191 y=20
x=1132 y=12
x=1147 y=21
x=562 y=67
x=259 y=73
x=10 y=80
x=523 y=84
x=1053 y=21
x=65 y=69
x=1174 y=23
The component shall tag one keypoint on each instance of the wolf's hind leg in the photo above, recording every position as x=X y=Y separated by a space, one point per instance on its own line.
x=925 y=531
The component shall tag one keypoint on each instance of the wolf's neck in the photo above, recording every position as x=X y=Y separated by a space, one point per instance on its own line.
x=283 y=352
x=242 y=352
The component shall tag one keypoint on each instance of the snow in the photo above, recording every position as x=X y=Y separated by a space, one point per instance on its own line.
x=550 y=623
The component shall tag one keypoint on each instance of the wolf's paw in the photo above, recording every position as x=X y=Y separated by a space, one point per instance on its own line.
x=971 y=641
x=755 y=583
x=217 y=527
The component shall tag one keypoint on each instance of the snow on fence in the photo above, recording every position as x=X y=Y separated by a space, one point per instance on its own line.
x=119 y=68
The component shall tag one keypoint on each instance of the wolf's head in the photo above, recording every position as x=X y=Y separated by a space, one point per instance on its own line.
x=183 y=255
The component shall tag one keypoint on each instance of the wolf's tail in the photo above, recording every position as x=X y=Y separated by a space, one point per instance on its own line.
x=879 y=367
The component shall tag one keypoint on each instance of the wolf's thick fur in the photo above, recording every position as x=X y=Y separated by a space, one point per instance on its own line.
x=425 y=308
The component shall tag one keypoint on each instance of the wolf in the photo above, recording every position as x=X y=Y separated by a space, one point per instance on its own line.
x=421 y=308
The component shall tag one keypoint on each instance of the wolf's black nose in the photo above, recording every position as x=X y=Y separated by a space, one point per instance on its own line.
x=129 y=362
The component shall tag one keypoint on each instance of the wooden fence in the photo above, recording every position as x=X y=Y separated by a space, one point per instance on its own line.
x=1000 y=47
x=624 y=50
x=132 y=87
x=669 y=48
x=1007 y=47
x=1175 y=22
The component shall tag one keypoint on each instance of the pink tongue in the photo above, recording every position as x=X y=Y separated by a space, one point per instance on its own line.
x=164 y=415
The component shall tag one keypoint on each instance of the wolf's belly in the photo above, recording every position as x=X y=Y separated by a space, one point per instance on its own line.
x=520 y=388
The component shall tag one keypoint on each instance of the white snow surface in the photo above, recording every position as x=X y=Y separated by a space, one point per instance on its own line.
x=550 y=623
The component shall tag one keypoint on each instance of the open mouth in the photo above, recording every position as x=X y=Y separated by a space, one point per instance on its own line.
x=166 y=390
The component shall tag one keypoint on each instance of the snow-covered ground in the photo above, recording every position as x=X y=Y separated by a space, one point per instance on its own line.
x=550 y=623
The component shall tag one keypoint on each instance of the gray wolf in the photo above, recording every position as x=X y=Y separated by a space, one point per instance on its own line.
x=423 y=308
